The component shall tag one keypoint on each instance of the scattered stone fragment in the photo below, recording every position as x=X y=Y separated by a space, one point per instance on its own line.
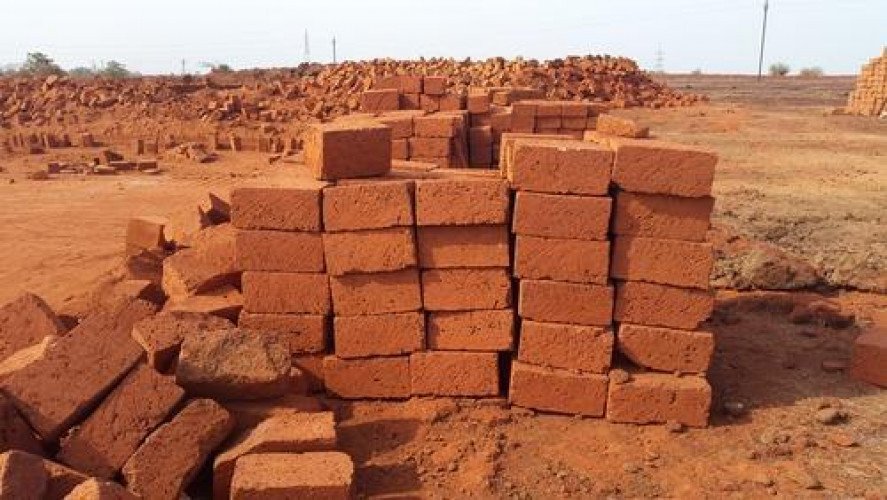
x=97 y=489
x=24 y=322
x=161 y=336
x=22 y=476
x=830 y=416
x=14 y=432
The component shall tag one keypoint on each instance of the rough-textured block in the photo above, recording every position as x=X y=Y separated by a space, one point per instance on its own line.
x=145 y=233
x=377 y=293
x=24 y=322
x=434 y=147
x=379 y=335
x=648 y=166
x=384 y=378
x=96 y=354
x=573 y=303
x=491 y=330
x=368 y=205
x=572 y=347
x=621 y=127
x=107 y=438
x=22 y=476
x=466 y=289
x=649 y=398
x=350 y=148
x=326 y=475
x=380 y=100
x=62 y=480
x=281 y=251
x=24 y=357
x=401 y=124
x=561 y=216
x=97 y=489
x=276 y=208
x=442 y=247
x=226 y=302
x=250 y=414
x=299 y=333
x=465 y=201
x=162 y=335
x=666 y=349
x=233 y=364
x=659 y=216
x=577 y=261
x=172 y=455
x=434 y=85
x=209 y=264
x=286 y=433
x=370 y=250
x=560 y=167
x=661 y=305
x=471 y=374
x=280 y=293
x=559 y=391
x=869 y=361
x=14 y=431
x=667 y=262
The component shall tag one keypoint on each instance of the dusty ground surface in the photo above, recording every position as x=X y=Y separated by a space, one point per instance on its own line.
x=800 y=201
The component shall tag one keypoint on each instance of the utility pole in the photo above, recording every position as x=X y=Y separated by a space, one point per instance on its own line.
x=334 y=50
x=763 y=39
x=183 y=67
x=660 y=61
x=307 y=55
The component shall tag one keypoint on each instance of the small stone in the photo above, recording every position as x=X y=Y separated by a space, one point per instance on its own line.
x=618 y=376
x=674 y=426
x=808 y=481
x=830 y=416
x=631 y=468
x=735 y=408
x=763 y=479
x=843 y=439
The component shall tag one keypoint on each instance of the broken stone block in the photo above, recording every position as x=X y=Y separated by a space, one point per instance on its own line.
x=96 y=489
x=172 y=455
x=233 y=364
x=24 y=322
x=290 y=433
x=162 y=335
x=145 y=233
x=225 y=302
x=24 y=357
x=209 y=264
x=324 y=474
x=14 y=432
x=22 y=476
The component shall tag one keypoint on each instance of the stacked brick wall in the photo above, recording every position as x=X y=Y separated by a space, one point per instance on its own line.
x=869 y=98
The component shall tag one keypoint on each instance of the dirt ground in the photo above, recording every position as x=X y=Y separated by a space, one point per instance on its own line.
x=794 y=181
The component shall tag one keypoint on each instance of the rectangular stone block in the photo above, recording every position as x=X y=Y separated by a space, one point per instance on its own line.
x=575 y=261
x=652 y=304
x=870 y=357
x=557 y=391
x=464 y=374
x=478 y=102
x=480 y=140
x=16 y=434
x=482 y=330
x=666 y=349
x=571 y=347
x=434 y=85
x=657 y=167
x=660 y=216
x=436 y=125
x=466 y=289
x=461 y=201
x=401 y=124
x=301 y=333
x=400 y=149
x=207 y=265
x=376 y=293
x=650 y=398
x=378 y=378
x=368 y=205
x=145 y=233
x=326 y=475
x=562 y=216
x=379 y=100
x=463 y=246
x=433 y=147
x=276 y=208
x=369 y=250
x=281 y=251
x=351 y=148
x=560 y=167
x=667 y=262
x=97 y=353
x=621 y=127
x=572 y=303
x=107 y=438
x=169 y=459
x=285 y=293
x=379 y=335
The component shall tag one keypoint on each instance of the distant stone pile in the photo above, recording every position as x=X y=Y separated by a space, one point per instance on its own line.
x=870 y=96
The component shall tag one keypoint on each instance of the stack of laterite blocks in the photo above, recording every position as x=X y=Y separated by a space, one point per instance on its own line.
x=661 y=266
x=439 y=138
x=869 y=98
x=428 y=93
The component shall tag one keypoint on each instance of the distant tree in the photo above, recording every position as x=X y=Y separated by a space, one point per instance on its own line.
x=82 y=72
x=223 y=68
x=114 y=69
x=779 y=69
x=38 y=63
x=814 y=72
x=697 y=71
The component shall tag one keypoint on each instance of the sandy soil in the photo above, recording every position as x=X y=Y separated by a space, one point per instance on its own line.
x=792 y=176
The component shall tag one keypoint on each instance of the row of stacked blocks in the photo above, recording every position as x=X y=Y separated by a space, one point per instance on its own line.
x=574 y=280
x=869 y=97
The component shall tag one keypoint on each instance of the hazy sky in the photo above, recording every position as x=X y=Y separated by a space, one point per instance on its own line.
x=712 y=35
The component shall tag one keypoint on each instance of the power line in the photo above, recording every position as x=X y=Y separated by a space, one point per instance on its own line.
x=763 y=39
